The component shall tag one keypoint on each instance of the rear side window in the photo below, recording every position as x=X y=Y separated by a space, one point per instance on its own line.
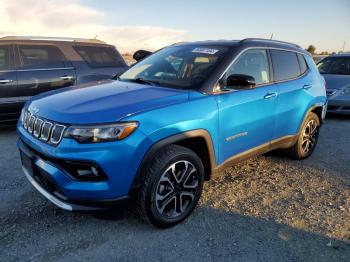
x=41 y=56
x=302 y=63
x=100 y=56
x=285 y=65
x=4 y=57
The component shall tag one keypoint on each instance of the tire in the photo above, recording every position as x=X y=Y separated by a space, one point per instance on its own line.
x=307 y=138
x=172 y=186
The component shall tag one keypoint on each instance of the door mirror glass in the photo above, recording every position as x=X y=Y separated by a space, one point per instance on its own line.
x=141 y=54
x=239 y=81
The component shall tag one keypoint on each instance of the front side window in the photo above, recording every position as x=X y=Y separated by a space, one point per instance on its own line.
x=41 y=56
x=183 y=67
x=4 y=57
x=335 y=66
x=100 y=56
x=253 y=63
x=285 y=65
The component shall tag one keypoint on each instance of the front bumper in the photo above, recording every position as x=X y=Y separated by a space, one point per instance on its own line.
x=38 y=172
x=339 y=105
x=119 y=161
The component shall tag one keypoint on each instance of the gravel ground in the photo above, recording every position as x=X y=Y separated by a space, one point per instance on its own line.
x=269 y=208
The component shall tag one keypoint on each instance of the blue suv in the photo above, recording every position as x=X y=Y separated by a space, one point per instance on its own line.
x=158 y=131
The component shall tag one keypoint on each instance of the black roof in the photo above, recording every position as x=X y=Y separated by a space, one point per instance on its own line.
x=251 y=42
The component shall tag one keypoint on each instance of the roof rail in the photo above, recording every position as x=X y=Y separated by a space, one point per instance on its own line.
x=47 y=38
x=268 y=40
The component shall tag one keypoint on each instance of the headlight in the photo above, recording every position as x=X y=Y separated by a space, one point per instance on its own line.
x=101 y=133
x=345 y=92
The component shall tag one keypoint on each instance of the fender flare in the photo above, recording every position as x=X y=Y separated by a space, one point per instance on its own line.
x=197 y=133
x=312 y=108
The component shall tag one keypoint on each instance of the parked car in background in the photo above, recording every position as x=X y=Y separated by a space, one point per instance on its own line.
x=336 y=71
x=170 y=122
x=32 y=65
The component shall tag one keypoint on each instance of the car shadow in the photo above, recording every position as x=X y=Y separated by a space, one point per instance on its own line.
x=209 y=234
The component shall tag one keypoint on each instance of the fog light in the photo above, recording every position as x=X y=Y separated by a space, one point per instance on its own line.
x=83 y=171
x=88 y=172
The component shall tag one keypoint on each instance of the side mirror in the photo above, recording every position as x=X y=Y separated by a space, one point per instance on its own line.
x=240 y=82
x=141 y=54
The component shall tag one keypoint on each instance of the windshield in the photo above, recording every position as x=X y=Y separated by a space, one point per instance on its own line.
x=335 y=66
x=184 y=67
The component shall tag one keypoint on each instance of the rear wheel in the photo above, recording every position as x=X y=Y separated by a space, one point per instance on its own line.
x=307 y=138
x=172 y=186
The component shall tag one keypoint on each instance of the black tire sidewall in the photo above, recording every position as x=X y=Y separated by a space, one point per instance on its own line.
x=151 y=209
x=302 y=155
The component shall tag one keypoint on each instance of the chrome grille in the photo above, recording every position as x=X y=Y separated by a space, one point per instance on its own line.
x=42 y=129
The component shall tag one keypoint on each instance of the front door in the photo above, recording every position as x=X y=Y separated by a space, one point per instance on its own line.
x=247 y=117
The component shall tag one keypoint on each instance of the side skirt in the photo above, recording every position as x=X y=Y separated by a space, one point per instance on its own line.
x=280 y=143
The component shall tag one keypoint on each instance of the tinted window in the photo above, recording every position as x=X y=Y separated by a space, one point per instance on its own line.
x=4 y=57
x=285 y=65
x=335 y=65
x=253 y=63
x=100 y=56
x=183 y=66
x=41 y=56
x=302 y=63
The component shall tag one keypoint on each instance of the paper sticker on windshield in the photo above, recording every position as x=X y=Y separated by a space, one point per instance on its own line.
x=203 y=50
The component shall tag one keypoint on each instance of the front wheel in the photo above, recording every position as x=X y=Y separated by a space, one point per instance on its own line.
x=172 y=186
x=307 y=138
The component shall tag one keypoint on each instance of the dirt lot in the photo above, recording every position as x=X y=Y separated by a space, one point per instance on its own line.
x=267 y=209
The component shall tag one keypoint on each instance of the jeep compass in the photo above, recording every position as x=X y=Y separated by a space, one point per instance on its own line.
x=169 y=123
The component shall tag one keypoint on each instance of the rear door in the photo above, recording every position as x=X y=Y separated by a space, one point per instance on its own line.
x=9 y=107
x=291 y=74
x=42 y=67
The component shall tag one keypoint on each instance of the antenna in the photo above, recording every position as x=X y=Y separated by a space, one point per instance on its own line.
x=271 y=36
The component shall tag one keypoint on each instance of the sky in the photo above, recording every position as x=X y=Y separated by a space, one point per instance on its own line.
x=152 y=24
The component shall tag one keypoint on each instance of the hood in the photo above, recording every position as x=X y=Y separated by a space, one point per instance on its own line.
x=336 y=81
x=102 y=102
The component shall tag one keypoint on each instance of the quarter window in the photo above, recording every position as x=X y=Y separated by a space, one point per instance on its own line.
x=253 y=63
x=100 y=56
x=285 y=65
x=4 y=58
x=41 y=57
x=302 y=63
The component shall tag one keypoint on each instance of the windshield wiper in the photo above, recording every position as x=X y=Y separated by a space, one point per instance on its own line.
x=144 y=81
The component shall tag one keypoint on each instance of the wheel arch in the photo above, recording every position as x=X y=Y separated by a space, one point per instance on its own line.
x=318 y=109
x=198 y=140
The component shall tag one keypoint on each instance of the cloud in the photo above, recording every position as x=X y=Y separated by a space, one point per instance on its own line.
x=70 y=18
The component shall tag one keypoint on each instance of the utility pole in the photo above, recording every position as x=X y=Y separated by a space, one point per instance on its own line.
x=344 y=46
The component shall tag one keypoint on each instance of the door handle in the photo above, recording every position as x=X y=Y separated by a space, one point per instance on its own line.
x=5 y=81
x=67 y=78
x=270 y=95
x=307 y=86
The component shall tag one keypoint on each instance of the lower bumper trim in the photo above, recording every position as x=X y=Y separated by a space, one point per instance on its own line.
x=46 y=194
x=84 y=205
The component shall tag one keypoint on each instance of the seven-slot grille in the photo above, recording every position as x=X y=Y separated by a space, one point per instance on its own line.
x=42 y=129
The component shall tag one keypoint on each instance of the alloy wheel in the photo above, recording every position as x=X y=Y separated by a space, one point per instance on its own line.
x=309 y=138
x=176 y=189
